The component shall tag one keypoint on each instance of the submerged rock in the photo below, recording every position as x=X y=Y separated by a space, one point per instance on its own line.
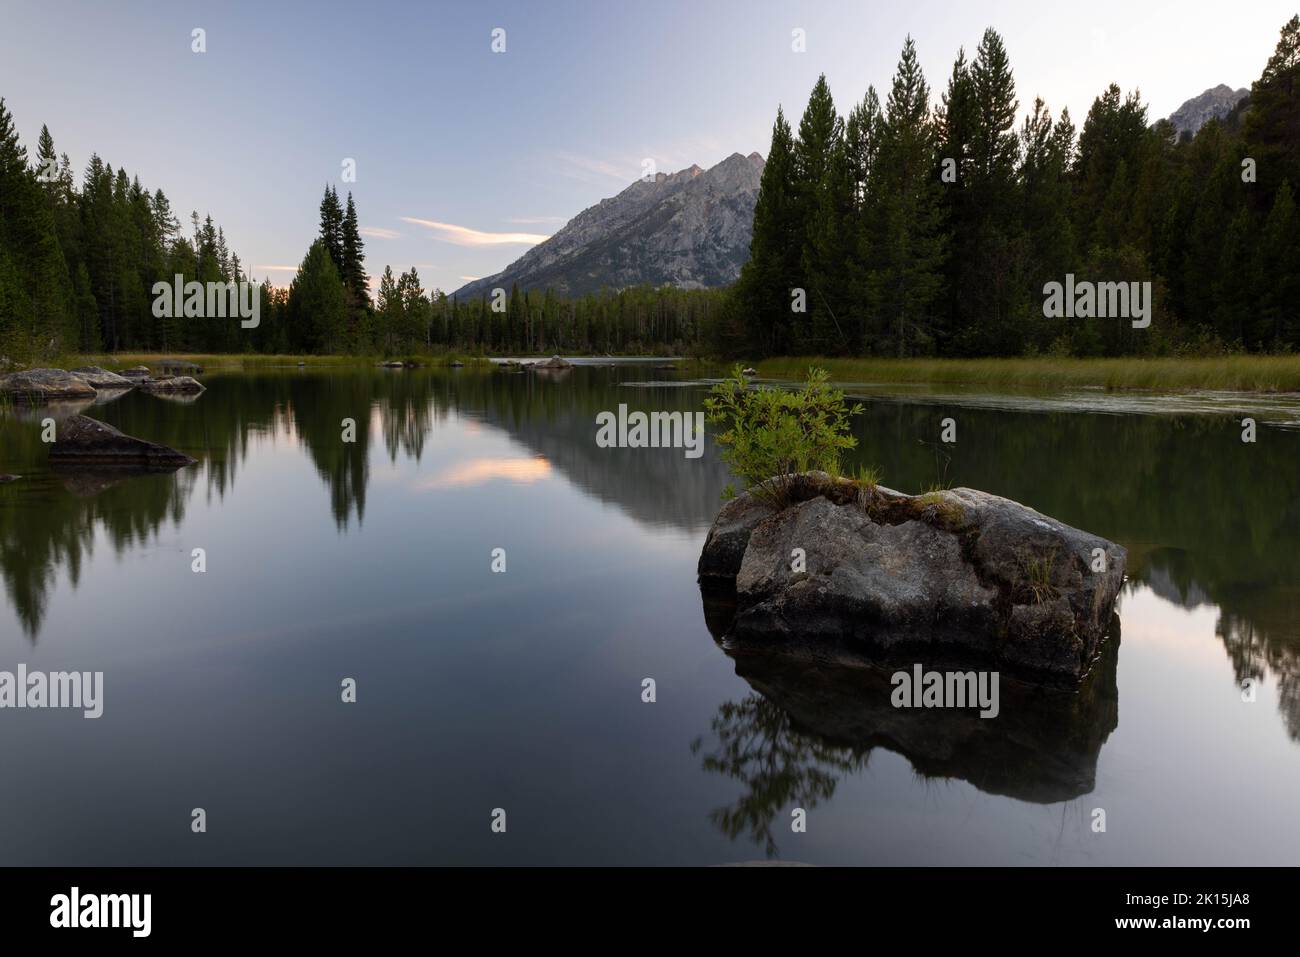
x=957 y=571
x=179 y=367
x=38 y=385
x=554 y=362
x=80 y=441
x=181 y=384
x=102 y=378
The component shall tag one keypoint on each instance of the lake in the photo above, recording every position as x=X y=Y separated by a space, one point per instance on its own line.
x=521 y=690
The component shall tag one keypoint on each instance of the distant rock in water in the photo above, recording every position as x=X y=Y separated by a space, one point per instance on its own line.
x=690 y=229
x=1213 y=104
x=179 y=367
x=136 y=372
x=38 y=385
x=181 y=384
x=102 y=378
x=554 y=362
x=6 y=479
x=958 y=572
x=81 y=441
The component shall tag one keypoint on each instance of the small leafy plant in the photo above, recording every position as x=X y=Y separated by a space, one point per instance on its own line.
x=771 y=435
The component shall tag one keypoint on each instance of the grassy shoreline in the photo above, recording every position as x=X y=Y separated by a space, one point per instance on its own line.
x=1238 y=373
x=237 y=360
x=1230 y=373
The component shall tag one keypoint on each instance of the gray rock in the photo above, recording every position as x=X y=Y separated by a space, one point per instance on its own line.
x=87 y=442
x=102 y=378
x=1213 y=104
x=181 y=384
x=955 y=572
x=38 y=385
x=136 y=372
x=179 y=367
x=554 y=362
x=6 y=479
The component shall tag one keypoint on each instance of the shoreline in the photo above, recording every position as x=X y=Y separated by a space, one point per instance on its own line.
x=1263 y=374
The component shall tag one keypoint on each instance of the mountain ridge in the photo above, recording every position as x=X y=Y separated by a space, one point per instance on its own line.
x=689 y=229
x=1215 y=103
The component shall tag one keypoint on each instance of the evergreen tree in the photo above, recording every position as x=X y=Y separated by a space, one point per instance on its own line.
x=354 y=259
x=316 y=307
x=331 y=227
x=1272 y=122
x=906 y=240
x=759 y=320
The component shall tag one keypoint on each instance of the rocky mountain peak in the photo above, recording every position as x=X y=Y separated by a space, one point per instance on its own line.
x=689 y=229
x=1215 y=103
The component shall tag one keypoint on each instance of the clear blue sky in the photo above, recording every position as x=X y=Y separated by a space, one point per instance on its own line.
x=504 y=148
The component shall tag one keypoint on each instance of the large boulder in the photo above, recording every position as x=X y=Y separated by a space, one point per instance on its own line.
x=957 y=572
x=80 y=442
x=102 y=378
x=38 y=385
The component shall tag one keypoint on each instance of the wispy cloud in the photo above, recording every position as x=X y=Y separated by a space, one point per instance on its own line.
x=377 y=232
x=590 y=168
x=464 y=236
x=535 y=220
x=277 y=268
x=471 y=278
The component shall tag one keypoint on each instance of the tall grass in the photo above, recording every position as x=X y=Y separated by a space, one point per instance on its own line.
x=1234 y=373
x=251 y=360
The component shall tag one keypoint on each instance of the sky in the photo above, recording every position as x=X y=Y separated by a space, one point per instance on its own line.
x=465 y=157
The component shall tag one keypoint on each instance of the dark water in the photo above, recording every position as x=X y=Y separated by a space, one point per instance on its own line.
x=522 y=691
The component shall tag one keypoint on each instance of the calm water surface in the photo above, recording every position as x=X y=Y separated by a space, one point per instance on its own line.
x=522 y=691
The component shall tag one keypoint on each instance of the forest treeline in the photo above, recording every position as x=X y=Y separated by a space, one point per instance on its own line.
x=79 y=261
x=906 y=228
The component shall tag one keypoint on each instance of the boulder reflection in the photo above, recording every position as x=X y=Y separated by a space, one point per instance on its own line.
x=818 y=712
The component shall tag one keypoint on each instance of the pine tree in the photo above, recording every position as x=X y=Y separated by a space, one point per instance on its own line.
x=1278 y=319
x=1272 y=123
x=331 y=227
x=990 y=280
x=821 y=200
x=907 y=242
x=316 y=307
x=759 y=319
x=354 y=259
